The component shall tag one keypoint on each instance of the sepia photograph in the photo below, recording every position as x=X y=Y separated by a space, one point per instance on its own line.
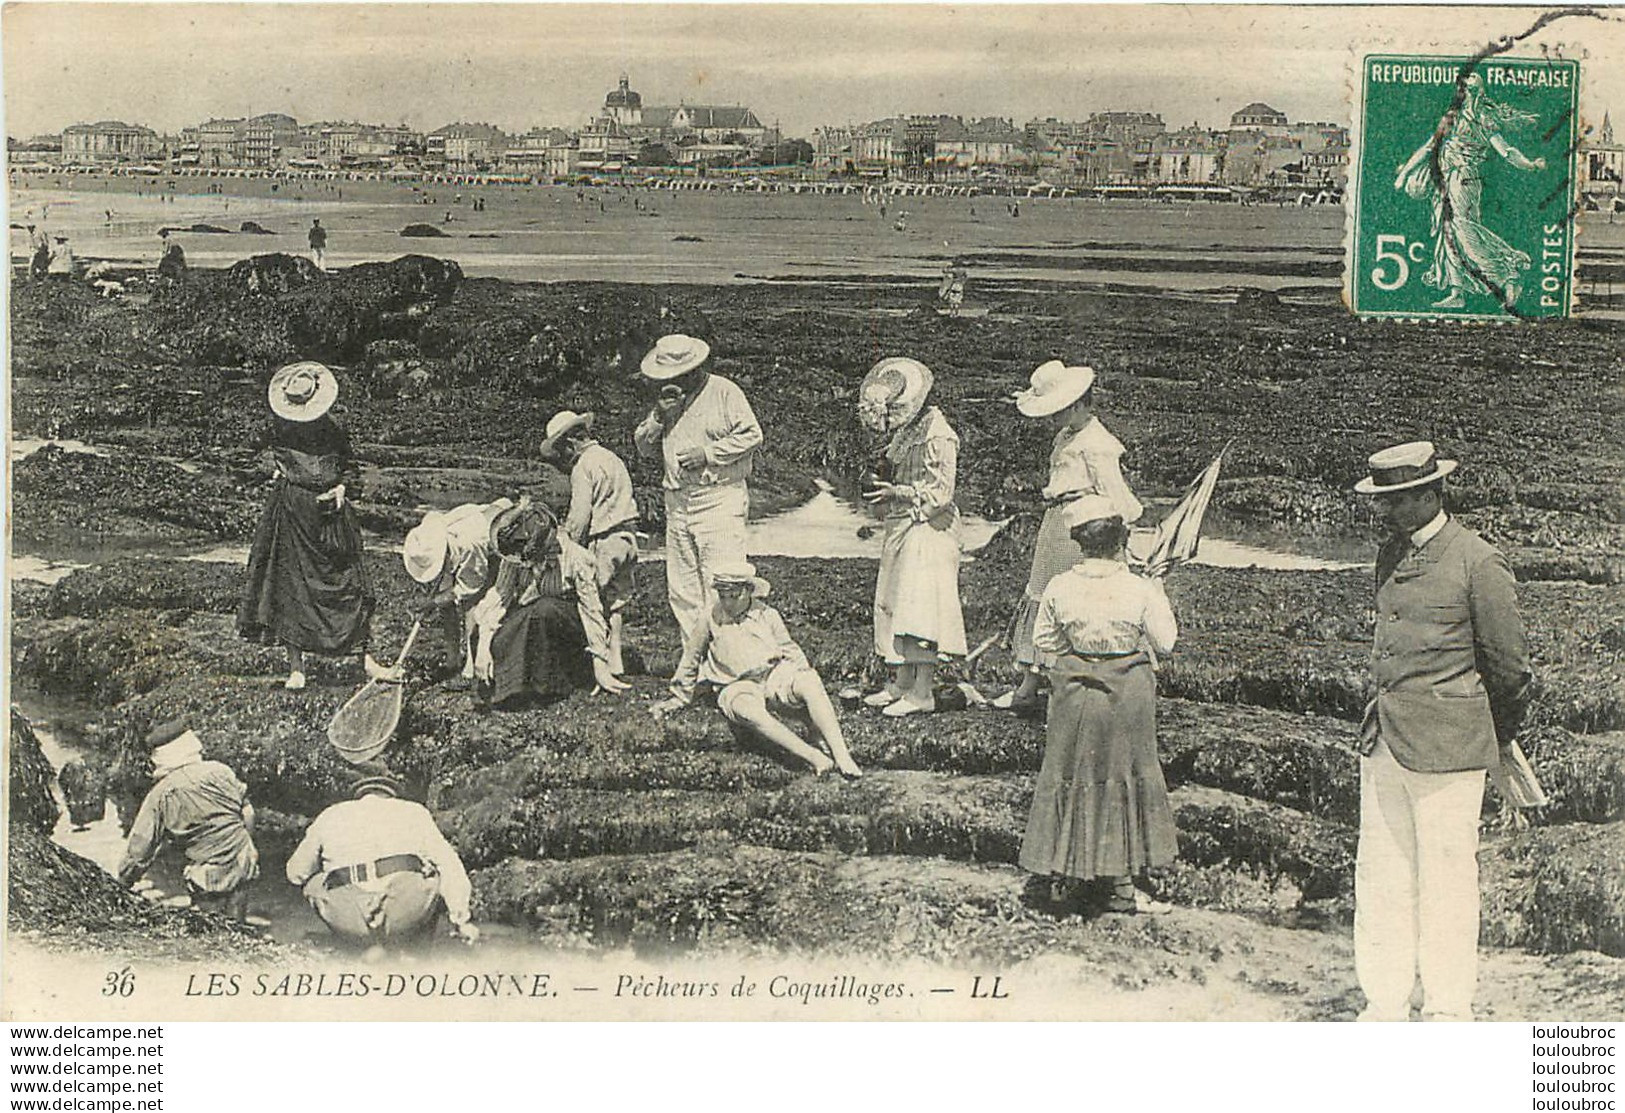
x=814 y=512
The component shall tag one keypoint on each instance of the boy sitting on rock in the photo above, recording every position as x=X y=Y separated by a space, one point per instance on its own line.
x=745 y=650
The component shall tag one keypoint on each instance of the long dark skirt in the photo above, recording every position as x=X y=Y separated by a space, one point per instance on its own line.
x=307 y=586
x=1100 y=807
x=539 y=650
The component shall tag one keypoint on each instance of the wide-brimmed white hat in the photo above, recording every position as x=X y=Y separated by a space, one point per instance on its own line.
x=303 y=391
x=424 y=551
x=1413 y=464
x=1087 y=508
x=894 y=389
x=675 y=356
x=739 y=572
x=561 y=423
x=1055 y=386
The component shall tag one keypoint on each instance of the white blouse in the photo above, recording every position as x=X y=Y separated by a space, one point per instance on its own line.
x=1099 y=606
x=1087 y=459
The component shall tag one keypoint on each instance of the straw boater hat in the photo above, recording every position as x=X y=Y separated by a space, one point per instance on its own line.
x=1414 y=464
x=303 y=391
x=896 y=388
x=1087 y=508
x=740 y=572
x=675 y=356
x=1055 y=386
x=560 y=424
x=424 y=552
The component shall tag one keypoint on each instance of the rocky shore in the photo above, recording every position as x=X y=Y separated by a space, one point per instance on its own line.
x=587 y=824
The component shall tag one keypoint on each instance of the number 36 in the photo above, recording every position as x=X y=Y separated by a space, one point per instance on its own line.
x=1402 y=268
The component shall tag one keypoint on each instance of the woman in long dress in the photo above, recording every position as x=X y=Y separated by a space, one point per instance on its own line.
x=307 y=586
x=1447 y=170
x=1100 y=806
x=1084 y=460
x=918 y=621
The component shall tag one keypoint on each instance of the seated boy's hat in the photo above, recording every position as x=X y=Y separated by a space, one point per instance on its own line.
x=1087 y=508
x=675 y=356
x=561 y=423
x=165 y=733
x=424 y=551
x=739 y=572
x=520 y=530
x=1054 y=387
x=1413 y=464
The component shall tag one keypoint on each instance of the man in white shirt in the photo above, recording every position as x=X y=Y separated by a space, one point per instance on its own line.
x=450 y=554
x=377 y=870
x=705 y=434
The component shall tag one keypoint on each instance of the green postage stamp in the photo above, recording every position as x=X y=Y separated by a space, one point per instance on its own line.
x=1464 y=188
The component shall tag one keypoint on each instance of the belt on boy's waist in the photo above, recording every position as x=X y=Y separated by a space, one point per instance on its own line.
x=383 y=867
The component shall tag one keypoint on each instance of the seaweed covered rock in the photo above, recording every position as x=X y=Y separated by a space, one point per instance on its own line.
x=276 y=273
x=1556 y=889
x=141 y=584
x=29 y=780
x=423 y=232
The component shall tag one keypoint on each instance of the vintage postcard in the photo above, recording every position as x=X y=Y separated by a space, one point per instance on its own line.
x=756 y=512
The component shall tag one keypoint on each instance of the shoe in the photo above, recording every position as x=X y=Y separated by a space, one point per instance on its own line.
x=295 y=682
x=906 y=706
x=1009 y=702
x=883 y=698
x=849 y=772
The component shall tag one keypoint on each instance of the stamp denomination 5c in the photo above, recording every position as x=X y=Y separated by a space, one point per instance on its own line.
x=1464 y=187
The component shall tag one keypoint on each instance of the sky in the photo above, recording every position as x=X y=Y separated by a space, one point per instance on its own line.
x=803 y=66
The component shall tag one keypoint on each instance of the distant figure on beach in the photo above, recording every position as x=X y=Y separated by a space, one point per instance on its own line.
x=952 y=290
x=318 y=241
x=39 y=260
x=1448 y=171
x=61 y=257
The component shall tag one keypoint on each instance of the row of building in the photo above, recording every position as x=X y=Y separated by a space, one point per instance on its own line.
x=1261 y=146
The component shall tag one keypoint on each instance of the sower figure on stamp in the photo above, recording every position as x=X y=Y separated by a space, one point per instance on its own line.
x=201 y=806
x=376 y=869
x=1452 y=678
x=705 y=434
x=602 y=519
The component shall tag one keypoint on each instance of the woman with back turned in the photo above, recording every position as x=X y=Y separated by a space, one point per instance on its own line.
x=1100 y=808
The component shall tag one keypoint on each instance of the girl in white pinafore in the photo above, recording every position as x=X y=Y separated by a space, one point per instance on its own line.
x=918 y=620
x=1084 y=460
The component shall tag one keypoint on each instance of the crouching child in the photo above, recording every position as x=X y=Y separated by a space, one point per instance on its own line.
x=376 y=868
x=203 y=807
x=745 y=650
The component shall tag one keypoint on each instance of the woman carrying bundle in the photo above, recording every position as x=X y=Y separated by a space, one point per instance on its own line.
x=307 y=587
x=918 y=621
x=1083 y=460
x=1100 y=806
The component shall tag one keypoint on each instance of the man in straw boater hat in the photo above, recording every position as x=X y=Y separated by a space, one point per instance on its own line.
x=1452 y=678
x=307 y=587
x=745 y=651
x=705 y=434
x=603 y=517
x=376 y=868
x=204 y=807
x=450 y=554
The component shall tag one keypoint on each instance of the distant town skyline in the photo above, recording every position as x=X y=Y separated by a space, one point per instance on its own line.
x=519 y=66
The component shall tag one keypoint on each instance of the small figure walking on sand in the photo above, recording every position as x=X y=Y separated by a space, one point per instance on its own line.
x=952 y=291
x=318 y=242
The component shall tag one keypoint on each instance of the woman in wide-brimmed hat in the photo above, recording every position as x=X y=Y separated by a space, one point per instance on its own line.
x=307 y=587
x=541 y=627
x=1100 y=806
x=1083 y=460
x=918 y=620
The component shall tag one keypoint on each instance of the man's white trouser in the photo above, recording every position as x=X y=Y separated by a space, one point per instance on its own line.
x=704 y=526
x=1416 y=888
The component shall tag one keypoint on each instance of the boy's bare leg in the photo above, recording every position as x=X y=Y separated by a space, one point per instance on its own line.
x=811 y=689
x=616 y=620
x=752 y=711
